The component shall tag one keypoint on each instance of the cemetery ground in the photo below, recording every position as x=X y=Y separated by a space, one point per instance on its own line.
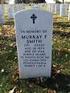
x=60 y=78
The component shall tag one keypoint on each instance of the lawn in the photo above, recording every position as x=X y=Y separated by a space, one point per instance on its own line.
x=59 y=82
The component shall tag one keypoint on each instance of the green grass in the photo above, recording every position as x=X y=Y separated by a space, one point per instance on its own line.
x=60 y=58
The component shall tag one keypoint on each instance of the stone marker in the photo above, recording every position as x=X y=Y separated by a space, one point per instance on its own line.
x=1 y=15
x=57 y=8
x=51 y=8
x=64 y=9
x=34 y=42
x=11 y=11
x=69 y=13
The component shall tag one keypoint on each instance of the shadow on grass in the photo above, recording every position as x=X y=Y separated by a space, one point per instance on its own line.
x=60 y=82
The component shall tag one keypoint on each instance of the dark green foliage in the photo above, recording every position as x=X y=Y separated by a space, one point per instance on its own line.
x=29 y=1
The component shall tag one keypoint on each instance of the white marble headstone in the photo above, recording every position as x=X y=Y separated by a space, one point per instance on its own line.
x=66 y=9
x=63 y=9
x=49 y=7
x=1 y=15
x=52 y=8
x=11 y=11
x=57 y=8
x=34 y=42
x=69 y=13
